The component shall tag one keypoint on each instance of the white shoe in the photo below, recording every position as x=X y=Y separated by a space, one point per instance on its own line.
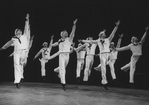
x=56 y=70
x=98 y=68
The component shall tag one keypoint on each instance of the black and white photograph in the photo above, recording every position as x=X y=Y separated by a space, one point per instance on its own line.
x=74 y=52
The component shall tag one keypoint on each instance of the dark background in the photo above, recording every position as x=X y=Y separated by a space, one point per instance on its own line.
x=49 y=17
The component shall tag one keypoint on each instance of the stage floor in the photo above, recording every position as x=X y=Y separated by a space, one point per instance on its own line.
x=52 y=94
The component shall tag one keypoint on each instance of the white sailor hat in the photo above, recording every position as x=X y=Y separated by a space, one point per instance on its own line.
x=112 y=43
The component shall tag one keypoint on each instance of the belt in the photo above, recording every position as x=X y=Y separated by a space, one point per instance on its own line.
x=80 y=58
x=90 y=54
x=104 y=52
x=64 y=52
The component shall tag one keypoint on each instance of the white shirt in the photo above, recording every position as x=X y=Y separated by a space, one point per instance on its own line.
x=45 y=53
x=23 y=44
x=65 y=46
x=81 y=54
x=113 y=54
x=104 y=45
x=136 y=50
x=91 y=49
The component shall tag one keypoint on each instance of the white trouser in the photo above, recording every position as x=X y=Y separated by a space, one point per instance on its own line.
x=88 y=66
x=63 y=61
x=24 y=57
x=132 y=67
x=43 y=70
x=111 y=63
x=104 y=57
x=18 y=67
x=80 y=64
x=23 y=60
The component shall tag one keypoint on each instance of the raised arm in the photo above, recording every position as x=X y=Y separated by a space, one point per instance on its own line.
x=114 y=31
x=38 y=54
x=144 y=36
x=27 y=27
x=119 y=41
x=31 y=42
x=73 y=31
x=8 y=44
x=11 y=54
x=51 y=41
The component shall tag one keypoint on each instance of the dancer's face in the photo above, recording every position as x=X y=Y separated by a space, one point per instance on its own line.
x=45 y=44
x=134 y=40
x=102 y=35
x=64 y=34
x=18 y=33
x=112 y=45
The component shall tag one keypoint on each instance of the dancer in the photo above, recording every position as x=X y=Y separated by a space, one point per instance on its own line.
x=64 y=49
x=80 y=51
x=103 y=44
x=112 y=59
x=90 y=51
x=45 y=51
x=21 y=44
x=136 y=48
x=23 y=62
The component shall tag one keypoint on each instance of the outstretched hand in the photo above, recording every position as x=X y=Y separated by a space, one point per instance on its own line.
x=74 y=22
x=121 y=35
x=11 y=55
x=118 y=22
x=27 y=16
x=73 y=44
x=146 y=28
x=52 y=36
x=114 y=49
x=79 y=40
x=32 y=37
